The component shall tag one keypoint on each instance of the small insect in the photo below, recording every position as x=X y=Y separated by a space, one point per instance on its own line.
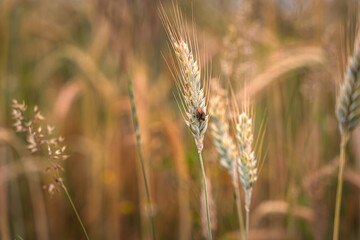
x=200 y=114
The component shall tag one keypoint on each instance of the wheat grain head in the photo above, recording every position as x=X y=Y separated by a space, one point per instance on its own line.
x=250 y=158
x=219 y=127
x=348 y=99
x=192 y=88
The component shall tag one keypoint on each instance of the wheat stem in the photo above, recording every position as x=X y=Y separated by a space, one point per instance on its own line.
x=339 y=186
x=75 y=210
x=206 y=195
x=138 y=140
x=238 y=201
x=247 y=209
x=247 y=224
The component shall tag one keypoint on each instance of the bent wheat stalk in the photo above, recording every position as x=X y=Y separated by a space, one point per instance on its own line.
x=193 y=91
x=348 y=115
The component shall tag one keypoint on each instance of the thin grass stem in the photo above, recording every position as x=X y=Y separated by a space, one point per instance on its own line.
x=344 y=138
x=206 y=195
x=74 y=208
x=139 y=150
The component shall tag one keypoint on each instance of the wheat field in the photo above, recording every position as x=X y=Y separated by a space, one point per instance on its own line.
x=200 y=119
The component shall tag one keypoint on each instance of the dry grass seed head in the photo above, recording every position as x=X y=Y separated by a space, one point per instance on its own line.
x=40 y=139
x=192 y=88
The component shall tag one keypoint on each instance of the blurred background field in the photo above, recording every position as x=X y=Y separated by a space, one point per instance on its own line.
x=72 y=57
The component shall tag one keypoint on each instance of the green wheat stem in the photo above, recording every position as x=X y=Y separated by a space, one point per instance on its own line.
x=138 y=140
x=74 y=208
x=344 y=138
x=206 y=195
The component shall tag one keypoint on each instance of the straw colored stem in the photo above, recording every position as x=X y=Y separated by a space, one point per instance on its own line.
x=138 y=139
x=238 y=202
x=247 y=224
x=339 y=186
x=74 y=208
x=248 y=194
x=206 y=195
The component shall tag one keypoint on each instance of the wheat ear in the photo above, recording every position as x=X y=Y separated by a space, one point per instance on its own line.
x=248 y=164
x=193 y=91
x=224 y=144
x=348 y=115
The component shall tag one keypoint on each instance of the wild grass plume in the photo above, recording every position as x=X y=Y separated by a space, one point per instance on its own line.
x=348 y=115
x=192 y=87
x=41 y=139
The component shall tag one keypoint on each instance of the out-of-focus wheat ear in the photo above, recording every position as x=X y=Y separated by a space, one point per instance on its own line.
x=248 y=161
x=219 y=128
x=348 y=114
x=224 y=144
x=348 y=99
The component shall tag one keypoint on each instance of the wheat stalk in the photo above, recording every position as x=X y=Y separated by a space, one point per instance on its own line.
x=193 y=91
x=348 y=115
x=248 y=163
x=224 y=144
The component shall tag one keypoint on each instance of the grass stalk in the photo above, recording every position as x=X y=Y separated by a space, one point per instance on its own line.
x=139 y=150
x=75 y=210
x=206 y=195
x=344 y=138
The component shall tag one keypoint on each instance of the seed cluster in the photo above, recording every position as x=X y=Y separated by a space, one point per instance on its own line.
x=219 y=129
x=40 y=139
x=193 y=97
x=247 y=162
